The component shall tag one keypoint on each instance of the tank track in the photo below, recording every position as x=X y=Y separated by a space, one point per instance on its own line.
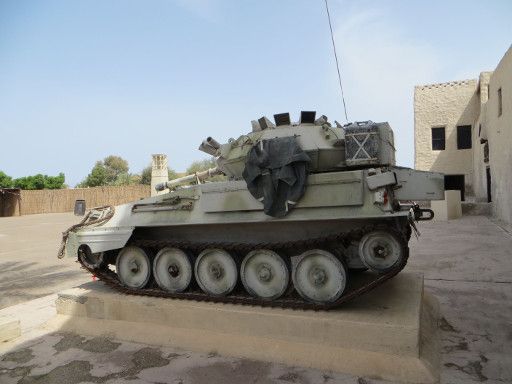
x=291 y=299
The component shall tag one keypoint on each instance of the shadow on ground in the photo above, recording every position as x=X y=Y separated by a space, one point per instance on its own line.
x=65 y=358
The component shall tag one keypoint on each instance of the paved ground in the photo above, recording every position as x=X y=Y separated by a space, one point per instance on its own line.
x=29 y=267
x=466 y=263
x=468 y=267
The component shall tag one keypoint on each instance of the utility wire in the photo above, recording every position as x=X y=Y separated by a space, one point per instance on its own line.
x=337 y=63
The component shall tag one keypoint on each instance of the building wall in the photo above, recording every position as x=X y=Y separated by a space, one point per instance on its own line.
x=445 y=105
x=479 y=165
x=498 y=130
x=475 y=103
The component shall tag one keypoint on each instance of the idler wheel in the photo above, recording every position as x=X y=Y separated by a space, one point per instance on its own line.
x=91 y=260
x=172 y=270
x=319 y=276
x=216 y=272
x=381 y=251
x=264 y=274
x=133 y=267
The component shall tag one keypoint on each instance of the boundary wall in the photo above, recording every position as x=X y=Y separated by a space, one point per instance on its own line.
x=63 y=200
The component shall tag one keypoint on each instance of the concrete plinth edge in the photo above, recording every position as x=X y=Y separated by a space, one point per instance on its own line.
x=389 y=334
x=9 y=329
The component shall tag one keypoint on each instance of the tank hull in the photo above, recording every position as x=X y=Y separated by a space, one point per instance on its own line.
x=258 y=233
x=333 y=202
x=346 y=220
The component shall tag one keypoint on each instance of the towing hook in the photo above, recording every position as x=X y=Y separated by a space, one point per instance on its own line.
x=422 y=214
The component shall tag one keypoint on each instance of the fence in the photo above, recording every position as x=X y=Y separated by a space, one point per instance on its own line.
x=63 y=200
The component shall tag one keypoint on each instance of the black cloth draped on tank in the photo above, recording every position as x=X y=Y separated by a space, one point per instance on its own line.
x=275 y=173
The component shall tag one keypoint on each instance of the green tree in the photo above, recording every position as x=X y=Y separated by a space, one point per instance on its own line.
x=112 y=170
x=24 y=182
x=40 y=181
x=135 y=179
x=123 y=179
x=37 y=181
x=97 y=177
x=115 y=167
x=5 y=180
x=203 y=165
x=55 y=182
x=145 y=176
x=172 y=174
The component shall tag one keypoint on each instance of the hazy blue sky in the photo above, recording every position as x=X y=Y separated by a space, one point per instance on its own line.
x=80 y=80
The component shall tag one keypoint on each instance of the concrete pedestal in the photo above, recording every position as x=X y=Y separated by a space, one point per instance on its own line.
x=389 y=333
x=448 y=209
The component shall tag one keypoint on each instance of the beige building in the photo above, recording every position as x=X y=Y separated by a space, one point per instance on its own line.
x=464 y=129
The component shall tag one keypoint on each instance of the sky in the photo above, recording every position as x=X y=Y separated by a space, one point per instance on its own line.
x=84 y=79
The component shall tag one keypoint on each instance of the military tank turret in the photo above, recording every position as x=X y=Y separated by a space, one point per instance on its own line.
x=305 y=208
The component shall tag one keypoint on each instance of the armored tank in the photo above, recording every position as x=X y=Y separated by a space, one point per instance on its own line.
x=310 y=215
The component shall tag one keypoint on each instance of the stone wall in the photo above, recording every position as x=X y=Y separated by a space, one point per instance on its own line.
x=475 y=103
x=479 y=163
x=498 y=130
x=444 y=105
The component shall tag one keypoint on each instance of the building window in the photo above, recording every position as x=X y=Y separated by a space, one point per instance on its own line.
x=464 y=137
x=438 y=140
x=500 y=105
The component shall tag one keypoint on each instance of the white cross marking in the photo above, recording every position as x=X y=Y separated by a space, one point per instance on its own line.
x=361 y=145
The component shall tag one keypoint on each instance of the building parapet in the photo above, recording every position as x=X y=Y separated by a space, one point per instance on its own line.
x=458 y=83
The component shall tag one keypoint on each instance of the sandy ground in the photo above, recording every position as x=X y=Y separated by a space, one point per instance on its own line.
x=466 y=263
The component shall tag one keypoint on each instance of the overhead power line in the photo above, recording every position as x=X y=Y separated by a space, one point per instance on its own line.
x=337 y=63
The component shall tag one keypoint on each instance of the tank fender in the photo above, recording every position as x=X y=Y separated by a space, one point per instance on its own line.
x=414 y=185
x=99 y=239
x=72 y=245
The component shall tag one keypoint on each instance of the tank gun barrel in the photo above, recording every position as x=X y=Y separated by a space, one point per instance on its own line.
x=210 y=146
x=199 y=176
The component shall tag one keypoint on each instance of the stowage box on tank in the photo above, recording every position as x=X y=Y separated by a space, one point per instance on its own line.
x=368 y=143
x=303 y=207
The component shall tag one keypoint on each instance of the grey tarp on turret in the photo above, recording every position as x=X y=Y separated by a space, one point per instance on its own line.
x=275 y=173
